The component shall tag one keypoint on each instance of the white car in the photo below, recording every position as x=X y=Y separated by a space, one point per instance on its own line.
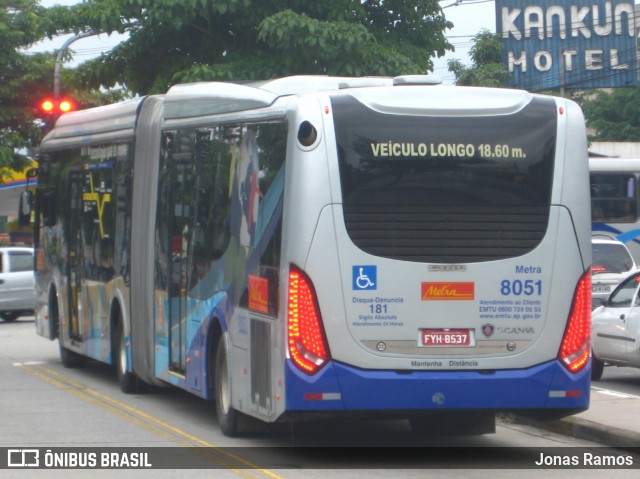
x=17 y=293
x=612 y=263
x=615 y=328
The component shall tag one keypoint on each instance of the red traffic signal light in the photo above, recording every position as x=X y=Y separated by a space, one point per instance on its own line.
x=65 y=106
x=51 y=106
x=47 y=106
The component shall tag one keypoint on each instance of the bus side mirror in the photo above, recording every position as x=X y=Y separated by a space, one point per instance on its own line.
x=25 y=208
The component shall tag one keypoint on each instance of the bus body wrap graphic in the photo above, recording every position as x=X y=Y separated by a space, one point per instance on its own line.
x=325 y=244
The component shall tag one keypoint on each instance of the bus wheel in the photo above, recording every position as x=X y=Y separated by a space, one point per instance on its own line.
x=129 y=382
x=227 y=416
x=70 y=359
x=597 y=368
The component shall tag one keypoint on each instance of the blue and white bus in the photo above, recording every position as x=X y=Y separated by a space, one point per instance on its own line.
x=614 y=199
x=317 y=245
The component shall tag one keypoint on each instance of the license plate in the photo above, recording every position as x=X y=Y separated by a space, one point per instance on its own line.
x=600 y=288
x=446 y=337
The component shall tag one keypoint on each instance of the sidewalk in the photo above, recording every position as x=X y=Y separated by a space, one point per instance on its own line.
x=613 y=419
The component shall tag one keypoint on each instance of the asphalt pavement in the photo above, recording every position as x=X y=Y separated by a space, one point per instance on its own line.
x=613 y=419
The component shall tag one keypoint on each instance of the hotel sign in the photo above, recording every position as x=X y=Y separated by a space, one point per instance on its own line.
x=575 y=44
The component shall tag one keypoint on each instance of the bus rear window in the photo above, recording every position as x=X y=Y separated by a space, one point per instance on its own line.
x=453 y=180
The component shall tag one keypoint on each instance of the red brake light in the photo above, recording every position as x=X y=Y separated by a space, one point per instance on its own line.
x=575 y=347
x=307 y=345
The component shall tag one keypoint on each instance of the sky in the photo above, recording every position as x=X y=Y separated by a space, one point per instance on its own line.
x=468 y=17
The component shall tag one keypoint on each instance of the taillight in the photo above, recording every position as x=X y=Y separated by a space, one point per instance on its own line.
x=575 y=347
x=307 y=345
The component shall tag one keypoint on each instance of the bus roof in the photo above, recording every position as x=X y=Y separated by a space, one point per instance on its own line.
x=204 y=99
x=611 y=164
x=118 y=119
x=211 y=98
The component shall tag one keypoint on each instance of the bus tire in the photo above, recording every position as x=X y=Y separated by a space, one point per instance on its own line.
x=129 y=382
x=70 y=359
x=227 y=416
x=597 y=368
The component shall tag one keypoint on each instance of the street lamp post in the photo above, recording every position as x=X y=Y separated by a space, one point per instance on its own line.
x=58 y=65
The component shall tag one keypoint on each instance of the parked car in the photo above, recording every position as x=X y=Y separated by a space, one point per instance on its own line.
x=17 y=293
x=615 y=328
x=612 y=262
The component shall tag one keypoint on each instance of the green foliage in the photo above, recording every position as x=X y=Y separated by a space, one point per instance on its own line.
x=175 y=41
x=22 y=80
x=26 y=79
x=486 y=57
x=613 y=116
x=486 y=48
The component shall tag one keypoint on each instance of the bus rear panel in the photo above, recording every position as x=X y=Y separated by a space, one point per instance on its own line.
x=448 y=254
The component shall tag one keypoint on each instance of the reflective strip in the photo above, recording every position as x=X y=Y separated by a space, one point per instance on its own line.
x=322 y=397
x=564 y=394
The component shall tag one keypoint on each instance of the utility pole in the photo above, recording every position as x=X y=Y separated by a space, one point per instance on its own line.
x=562 y=63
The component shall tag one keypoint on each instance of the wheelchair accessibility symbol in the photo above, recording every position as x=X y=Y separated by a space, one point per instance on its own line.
x=365 y=277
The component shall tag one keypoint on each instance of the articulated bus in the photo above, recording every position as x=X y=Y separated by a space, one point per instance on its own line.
x=312 y=246
x=614 y=199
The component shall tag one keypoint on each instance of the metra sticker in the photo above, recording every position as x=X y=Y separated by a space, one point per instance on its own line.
x=448 y=291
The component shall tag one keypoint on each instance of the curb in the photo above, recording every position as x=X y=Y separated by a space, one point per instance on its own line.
x=589 y=431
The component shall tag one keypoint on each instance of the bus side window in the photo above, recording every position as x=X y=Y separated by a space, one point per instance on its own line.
x=626 y=213
x=613 y=197
x=211 y=201
x=262 y=293
x=45 y=195
x=47 y=201
x=597 y=213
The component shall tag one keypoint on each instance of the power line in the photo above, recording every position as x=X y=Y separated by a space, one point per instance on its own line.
x=458 y=3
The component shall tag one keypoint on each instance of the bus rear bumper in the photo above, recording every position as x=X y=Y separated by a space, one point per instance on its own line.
x=338 y=387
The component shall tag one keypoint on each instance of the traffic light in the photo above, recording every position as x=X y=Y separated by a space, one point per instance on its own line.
x=56 y=106
x=47 y=106
x=65 y=105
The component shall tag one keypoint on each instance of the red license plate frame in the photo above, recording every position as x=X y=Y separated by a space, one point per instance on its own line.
x=446 y=338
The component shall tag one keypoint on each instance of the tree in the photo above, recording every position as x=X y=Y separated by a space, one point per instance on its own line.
x=487 y=68
x=23 y=80
x=613 y=116
x=194 y=40
x=26 y=79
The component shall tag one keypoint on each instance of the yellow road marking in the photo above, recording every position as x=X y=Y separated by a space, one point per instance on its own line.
x=142 y=419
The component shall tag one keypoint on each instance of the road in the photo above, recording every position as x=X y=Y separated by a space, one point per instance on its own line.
x=44 y=405
x=621 y=380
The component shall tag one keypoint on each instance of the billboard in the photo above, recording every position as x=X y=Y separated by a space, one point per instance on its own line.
x=12 y=183
x=576 y=44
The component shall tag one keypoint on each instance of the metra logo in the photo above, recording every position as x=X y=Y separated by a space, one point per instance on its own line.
x=448 y=291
